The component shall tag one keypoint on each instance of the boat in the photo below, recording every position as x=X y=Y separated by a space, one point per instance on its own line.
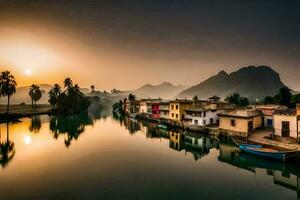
x=162 y=126
x=271 y=153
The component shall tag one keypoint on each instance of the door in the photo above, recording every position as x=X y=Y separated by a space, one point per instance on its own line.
x=285 y=131
x=250 y=127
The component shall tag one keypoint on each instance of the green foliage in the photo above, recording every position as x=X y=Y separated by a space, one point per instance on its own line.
x=284 y=97
x=269 y=100
x=237 y=100
x=70 y=101
x=35 y=93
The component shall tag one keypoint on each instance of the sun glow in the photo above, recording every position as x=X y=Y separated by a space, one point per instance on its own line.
x=28 y=72
x=27 y=140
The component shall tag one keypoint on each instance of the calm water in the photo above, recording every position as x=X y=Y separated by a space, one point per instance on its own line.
x=95 y=157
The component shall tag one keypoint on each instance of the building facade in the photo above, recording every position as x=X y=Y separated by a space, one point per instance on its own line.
x=201 y=116
x=240 y=122
x=286 y=123
x=177 y=109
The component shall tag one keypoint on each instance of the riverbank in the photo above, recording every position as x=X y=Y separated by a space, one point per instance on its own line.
x=18 y=111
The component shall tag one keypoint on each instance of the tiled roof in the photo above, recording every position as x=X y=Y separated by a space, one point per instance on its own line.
x=242 y=113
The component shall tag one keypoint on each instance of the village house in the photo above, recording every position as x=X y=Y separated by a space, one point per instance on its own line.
x=240 y=122
x=201 y=116
x=286 y=123
x=268 y=113
x=164 y=109
x=131 y=107
x=177 y=108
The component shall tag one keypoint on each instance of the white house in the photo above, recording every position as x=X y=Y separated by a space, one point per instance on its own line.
x=201 y=116
x=286 y=123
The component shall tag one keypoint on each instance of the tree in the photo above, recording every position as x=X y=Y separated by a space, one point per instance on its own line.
x=237 y=100
x=284 y=96
x=269 y=100
x=195 y=98
x=131 y=97
x=35 y=93
x=68 y=84
x=53 y=94
x=8 y=86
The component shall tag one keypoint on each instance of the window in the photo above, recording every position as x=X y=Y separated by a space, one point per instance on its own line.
x=211 y=120
x=196 y=122
x=172 y=114
x=177 y=116
x=204 y=122
x=176 y=107
x=204 y=114
x=172 y=107
x=233 y=123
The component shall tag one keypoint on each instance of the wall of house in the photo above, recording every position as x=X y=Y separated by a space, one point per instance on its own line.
x=278 y=119
x=176 y=113
x=266 y=118
x=143 y=108
x=241 y=124
x=203 y=121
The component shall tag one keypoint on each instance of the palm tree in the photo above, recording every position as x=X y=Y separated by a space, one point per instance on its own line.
x=8 y=86
x=35 y=93
x=53 y=94
x=68 y=83
x=31 y=93
x=7 y=150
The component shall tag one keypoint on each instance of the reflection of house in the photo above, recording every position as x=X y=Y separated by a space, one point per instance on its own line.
x=286 y=123
x=164 y=109
x=177 y=108
x=286 y=179
x=199 y=145
x=268 y=112
x=201 y=116
x=240 y=122
x=175 y=141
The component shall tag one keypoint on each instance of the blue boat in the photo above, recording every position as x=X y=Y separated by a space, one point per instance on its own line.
x=275 y=154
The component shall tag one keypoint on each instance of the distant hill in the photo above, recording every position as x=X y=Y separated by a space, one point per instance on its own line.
x=252 y=82
x=164 y=90
x=22 y=96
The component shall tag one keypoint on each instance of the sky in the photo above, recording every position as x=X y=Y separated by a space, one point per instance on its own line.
x=124 y=44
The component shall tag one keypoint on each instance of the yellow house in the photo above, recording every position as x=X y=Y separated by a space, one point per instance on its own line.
x=177 y=108
x=240 y=122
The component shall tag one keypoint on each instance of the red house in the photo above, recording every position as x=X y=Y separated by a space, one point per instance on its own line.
x=155 y=110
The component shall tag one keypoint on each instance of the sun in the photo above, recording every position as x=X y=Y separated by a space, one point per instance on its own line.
x=28 y=72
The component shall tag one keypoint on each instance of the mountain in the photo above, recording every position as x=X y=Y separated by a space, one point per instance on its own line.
x=252 y=82
x=164 y=90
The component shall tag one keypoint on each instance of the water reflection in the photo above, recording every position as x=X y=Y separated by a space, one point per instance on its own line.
x=70 y=126
x=284 y=174
x=7 y=149
x=35 y=124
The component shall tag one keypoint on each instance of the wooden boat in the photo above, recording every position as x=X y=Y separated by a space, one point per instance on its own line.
x=276 y=154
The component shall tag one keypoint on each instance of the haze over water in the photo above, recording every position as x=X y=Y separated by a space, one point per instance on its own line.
x=88 y=157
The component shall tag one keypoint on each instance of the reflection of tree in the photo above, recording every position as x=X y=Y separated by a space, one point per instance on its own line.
x=71 y=126
x=35 y=124
x=7 y=149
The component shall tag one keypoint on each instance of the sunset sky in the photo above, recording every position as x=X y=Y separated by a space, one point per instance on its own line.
x=124 y=44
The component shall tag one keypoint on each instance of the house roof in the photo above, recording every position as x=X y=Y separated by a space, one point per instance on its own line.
x=291 y=112
x=271 y=107
x=242 y=113
x=198 y=109
x=181 y=101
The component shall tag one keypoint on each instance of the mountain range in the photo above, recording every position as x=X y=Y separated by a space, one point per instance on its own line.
x=251 y=82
